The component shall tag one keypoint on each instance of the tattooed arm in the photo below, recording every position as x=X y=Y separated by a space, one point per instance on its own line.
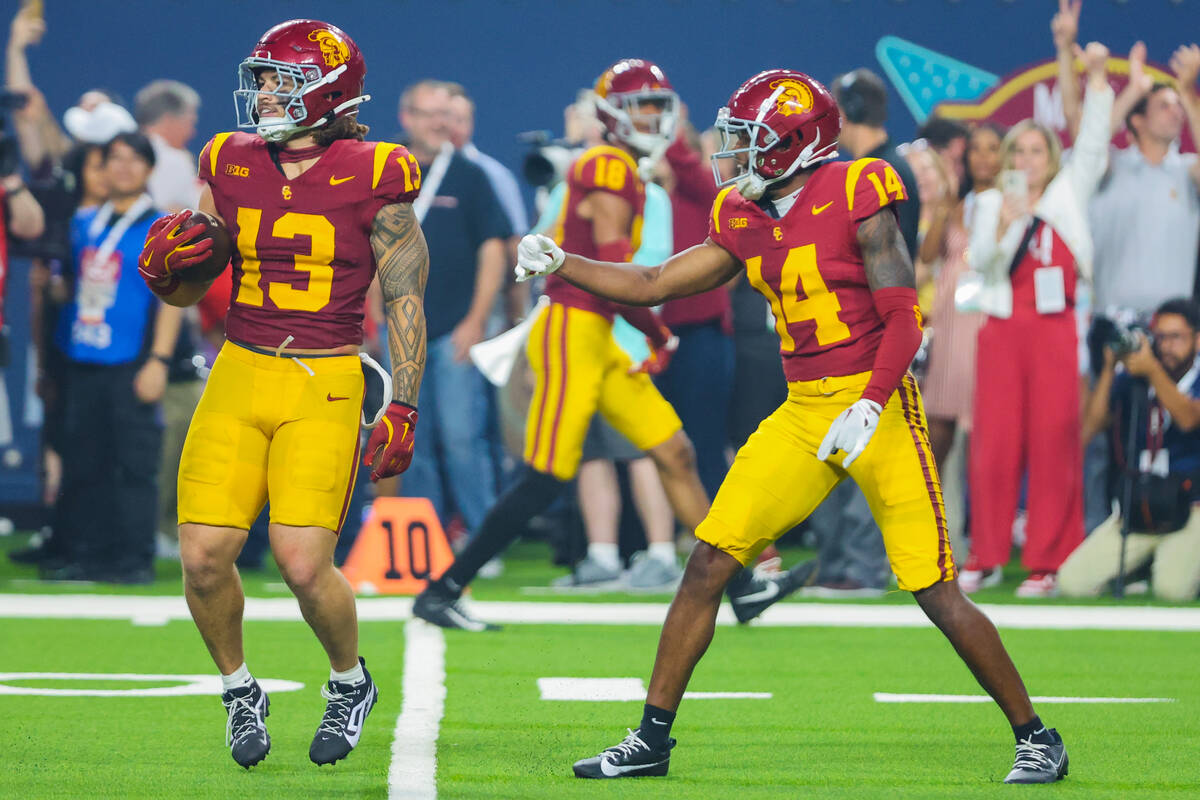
x=893 y=289
x=884 y=253
x=403 y=262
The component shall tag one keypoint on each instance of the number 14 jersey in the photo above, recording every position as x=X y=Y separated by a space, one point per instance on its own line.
x=302 y=257
x=809 y=266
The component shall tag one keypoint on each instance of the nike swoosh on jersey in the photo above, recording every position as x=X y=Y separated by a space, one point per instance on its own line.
x=612 y=770
x=763 y=594
x=335 y=181
x=818 y=209
x=331 y=398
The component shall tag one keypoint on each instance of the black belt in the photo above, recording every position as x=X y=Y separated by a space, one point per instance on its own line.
x=275 y=354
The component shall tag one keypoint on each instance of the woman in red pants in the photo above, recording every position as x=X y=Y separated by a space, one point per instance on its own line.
x=1031 y=243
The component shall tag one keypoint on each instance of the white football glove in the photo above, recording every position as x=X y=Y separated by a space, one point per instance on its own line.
x=851 y=431
x=537 y=255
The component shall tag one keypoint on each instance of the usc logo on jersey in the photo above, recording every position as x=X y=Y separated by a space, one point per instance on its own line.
x=796 y=98
x=333 y=48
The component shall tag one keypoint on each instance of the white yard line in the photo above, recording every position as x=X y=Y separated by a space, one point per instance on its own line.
x=145 y=609
x=413 y=771
x=886 y=697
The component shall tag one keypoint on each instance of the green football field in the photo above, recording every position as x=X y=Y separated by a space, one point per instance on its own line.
x=812 y=724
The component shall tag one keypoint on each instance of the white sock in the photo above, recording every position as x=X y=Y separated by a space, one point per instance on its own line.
x=605 y=554
x=241 y=677
x=663 y=551
x=353 y=676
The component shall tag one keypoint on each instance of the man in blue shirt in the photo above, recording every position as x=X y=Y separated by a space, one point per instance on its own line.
x=1168 y=445
x=118 y=340
x=466 y=230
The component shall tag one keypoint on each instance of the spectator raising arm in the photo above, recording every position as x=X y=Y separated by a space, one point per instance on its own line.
x=25 y=217
x=1065 y=27
x=38 y=135
x=1185 y=63
x=1139 y=84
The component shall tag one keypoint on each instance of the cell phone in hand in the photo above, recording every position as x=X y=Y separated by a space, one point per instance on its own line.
x=1014 y=183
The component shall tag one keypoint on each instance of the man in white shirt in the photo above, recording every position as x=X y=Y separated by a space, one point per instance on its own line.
x=1146 y=216
x=166 y=112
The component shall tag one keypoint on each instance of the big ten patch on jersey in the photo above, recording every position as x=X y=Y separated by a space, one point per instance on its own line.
x=809 y=266
x=303 y=257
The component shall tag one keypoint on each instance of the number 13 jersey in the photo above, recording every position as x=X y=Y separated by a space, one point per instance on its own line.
x=809 y=266
x=302 y=257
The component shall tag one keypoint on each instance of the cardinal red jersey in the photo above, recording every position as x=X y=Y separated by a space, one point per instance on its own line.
x=600 y=169
x=302 y=258
x=809 y=267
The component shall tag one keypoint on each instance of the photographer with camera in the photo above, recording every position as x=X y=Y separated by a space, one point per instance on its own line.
x=1157 y=400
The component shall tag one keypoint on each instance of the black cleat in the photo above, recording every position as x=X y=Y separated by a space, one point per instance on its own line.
x=437 y=605
x=632 y=758
x=246 y=728
x=1039 y=762
x=345 y=714
x=761 y=592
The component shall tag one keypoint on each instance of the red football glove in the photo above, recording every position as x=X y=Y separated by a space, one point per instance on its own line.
x=660 y=357
x=169 y=249
x=391 y=442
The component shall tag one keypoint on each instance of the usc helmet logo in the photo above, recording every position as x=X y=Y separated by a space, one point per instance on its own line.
x=333 y=48
x=796 y=98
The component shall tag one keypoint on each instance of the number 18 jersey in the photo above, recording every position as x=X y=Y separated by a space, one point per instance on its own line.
x=809 y=266
x=302 y=257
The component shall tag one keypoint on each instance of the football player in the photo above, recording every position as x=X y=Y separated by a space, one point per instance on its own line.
x=820 y=240
x=314 y=212
x=578 y=367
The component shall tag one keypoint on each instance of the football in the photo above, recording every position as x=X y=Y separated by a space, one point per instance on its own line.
x=218 y=258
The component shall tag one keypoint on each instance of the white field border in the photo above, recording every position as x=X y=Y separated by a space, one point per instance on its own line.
x=412 y=774
x=158 y=610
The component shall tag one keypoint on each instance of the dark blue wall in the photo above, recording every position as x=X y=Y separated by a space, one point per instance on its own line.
x=524 y=59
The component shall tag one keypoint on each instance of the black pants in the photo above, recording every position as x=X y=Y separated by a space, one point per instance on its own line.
x=111 y=447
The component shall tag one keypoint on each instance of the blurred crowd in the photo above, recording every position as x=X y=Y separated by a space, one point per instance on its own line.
x=1057 y=277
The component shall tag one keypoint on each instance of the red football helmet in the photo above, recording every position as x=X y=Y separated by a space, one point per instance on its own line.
x=320 y=71
x=782 y=121
x=623 y=92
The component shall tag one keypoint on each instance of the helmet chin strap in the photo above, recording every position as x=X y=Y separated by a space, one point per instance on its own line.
x=648 y=162
x=281 y=133
x=751 y=186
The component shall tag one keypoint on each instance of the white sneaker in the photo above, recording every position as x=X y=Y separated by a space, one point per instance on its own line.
x=972 y=580
x=166 y=546
x=648 y=573
x=1039 y=584
x=492 y=569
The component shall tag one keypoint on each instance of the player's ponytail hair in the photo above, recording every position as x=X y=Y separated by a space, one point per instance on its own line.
x=347 y=127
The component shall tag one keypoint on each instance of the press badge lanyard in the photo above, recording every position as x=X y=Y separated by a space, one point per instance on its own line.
x=1155 y=459
x=100 y=222
x=433 y=181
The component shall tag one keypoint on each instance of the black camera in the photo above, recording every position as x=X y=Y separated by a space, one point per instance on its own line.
x=1120 y=336
x=547 y=161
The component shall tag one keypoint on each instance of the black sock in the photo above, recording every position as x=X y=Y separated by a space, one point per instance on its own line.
x=507 y=520
x=1034 y=729
x=739 y=584
x=656 y=726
